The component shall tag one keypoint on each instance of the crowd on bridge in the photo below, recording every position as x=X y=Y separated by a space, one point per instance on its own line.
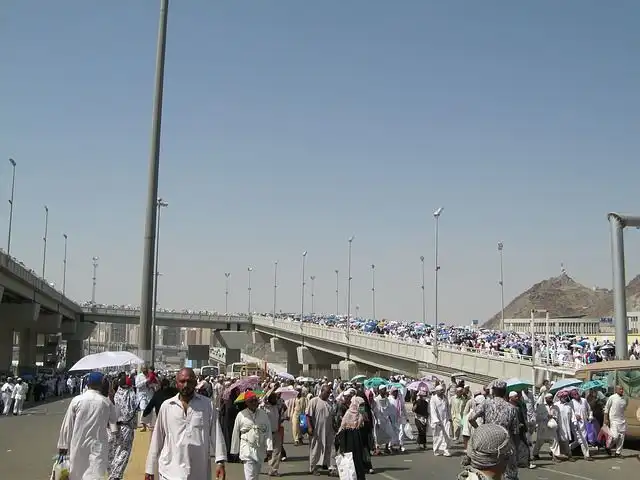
x=347 y=423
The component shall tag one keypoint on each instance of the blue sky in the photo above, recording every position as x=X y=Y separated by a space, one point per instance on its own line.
x=289 y=126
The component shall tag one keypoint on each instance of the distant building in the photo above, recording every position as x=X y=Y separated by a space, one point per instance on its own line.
x=585 y=326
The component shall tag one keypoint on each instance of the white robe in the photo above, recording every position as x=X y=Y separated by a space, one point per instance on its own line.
x=384 y=414
x=440 y=420
x=615 y=408
x=399 y=419
x=183 y=443
x=565 y=418
x=251 y=440
x=84 y=434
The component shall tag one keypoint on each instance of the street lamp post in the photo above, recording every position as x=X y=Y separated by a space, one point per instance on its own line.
x=93 y=297
x=226 y=292
x=436 y=215
x=275 y=289
x=501 y=283
x=147 y=294
x=64 y=266
x=349 y=278
x=337 y=293
x=159 y=206
x=424 y=297
x=304 y=283
x=13 y=189
x=373 y=290
x=44 y=240
x=249 y=270
x=313 y=294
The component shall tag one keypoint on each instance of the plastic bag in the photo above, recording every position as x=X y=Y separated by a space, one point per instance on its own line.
x=346 y=467
x=552 y=424
x=593 y=429
x=605 y=436
x=303 y=423
x=408 y=431
x=60 y=469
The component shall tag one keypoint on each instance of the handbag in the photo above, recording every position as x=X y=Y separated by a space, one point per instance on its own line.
x=60 y=469
x=408 y=431
x=346 y=467
x=552 y=424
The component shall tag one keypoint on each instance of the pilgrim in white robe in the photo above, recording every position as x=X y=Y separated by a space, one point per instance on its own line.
x=582 y=415
x=322 y=433
x=563 y=436
x=84 y=434
x=440 y=420
x=183 y=443
x=251 y=440
x=383 y=413
x=545 y=434
x=615 y=408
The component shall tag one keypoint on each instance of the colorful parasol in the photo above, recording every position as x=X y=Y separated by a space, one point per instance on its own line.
x=240 y=398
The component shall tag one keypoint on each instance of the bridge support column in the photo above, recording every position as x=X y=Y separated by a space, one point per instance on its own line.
x=294 y=367
x=74 y=352
x=27 y=354
x=348 y=369
x=232 y=355
x=6 y=349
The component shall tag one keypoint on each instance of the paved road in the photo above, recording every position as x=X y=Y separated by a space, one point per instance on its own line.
x=27 y=446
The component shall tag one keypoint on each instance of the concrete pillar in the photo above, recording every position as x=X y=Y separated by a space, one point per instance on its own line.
x=348 y=369
x=6 y=349
x=74 y=352
x=27 y=354
x=293 y=365
x=232 y=355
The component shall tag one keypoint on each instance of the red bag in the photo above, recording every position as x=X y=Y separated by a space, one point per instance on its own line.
x=605 y=436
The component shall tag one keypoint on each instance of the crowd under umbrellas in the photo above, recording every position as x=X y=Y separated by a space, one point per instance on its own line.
x=347 y=423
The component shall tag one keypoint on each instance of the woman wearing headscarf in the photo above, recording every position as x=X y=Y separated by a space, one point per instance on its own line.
x=367 y=430
x=421 y=410
x=352 y=436
x=126 y=404
x=489 y=450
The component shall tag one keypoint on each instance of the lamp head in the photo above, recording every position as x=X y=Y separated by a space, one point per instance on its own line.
x=304 y=254
x=351 y=238
x=12 y=162
x=422 y=258
x=500 y=246
x=438 y=212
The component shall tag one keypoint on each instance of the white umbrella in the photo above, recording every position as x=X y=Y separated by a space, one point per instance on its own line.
x=101 y=360
x=287 y=393
x=286 y=376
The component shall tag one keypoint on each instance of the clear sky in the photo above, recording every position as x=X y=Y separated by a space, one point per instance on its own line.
x=291 y=125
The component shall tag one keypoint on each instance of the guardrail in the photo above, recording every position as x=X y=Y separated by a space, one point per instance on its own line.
x=132 y=312
x=23 y=273
x=398 y=348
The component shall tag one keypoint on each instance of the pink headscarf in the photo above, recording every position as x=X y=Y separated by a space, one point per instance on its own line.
x=353 y=419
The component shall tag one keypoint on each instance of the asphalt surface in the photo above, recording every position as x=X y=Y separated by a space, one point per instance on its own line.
x=28 y=445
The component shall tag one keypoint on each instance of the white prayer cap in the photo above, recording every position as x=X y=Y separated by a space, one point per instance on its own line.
x=513 y=394
x=382 y=387
x=548 y=395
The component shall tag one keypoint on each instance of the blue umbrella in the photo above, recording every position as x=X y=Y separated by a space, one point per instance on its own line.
x=517 y=384
x=564 y=383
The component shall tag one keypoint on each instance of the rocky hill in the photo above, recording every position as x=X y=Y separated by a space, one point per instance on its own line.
x=562 y=296
x=606 y=309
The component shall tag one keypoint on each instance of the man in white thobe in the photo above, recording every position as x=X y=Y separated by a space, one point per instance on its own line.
x=615 y=420
x=560 y=449
x=83 y=434
x=545 y=412
x=144 y=392
x=397 y=401
x=186 y=435
x=320 y=415
x=19 y=395
x=440 y=420
x=252 y=437
x=7 y=390
x=581 y=415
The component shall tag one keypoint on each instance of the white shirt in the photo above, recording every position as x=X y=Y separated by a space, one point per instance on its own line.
x=615 y=408
x=251 y=438
x=183 y=443
x=84 y=434
x=142 y=386
x=7 y=389
x=20 y=391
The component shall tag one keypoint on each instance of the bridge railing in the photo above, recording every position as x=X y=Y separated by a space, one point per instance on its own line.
x=135 y=312
x=399 y=348
x=29 y=276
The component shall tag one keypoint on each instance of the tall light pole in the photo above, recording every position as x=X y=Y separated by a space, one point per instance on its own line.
x=436 y=215
x=501 y=283
x=349 y=278
x=44 y=240
x=64 y=265
x=275 y=289
x=373 y=290
x=424 y=296
x=160 y=204
x=13 y=190
x=304 y=283
x=146 y=302
x=93 y=286
x=226 y=292
x=337 y=292
x=249 y=270
x=313 y=294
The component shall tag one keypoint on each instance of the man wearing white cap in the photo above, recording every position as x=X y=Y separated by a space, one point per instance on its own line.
x=19 y=395
x=440 y=420
x=547 y=420
x=397 y=401
x=384 y=414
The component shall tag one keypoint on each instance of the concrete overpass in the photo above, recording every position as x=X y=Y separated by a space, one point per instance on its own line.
x=355 y=352
x=33 y=308
x=131 y=316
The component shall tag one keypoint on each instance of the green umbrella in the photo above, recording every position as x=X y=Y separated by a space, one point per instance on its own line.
x=358 y=378
x=375 y=382
x=517 y=384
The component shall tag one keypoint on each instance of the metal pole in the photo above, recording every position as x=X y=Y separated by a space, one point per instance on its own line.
x=275 y=289
x=44 y=239
x=436 y=214
x=146 y=303
x=349 y=278
x=619 y=285
x=64 y=266
x=159 y=205
x=93 y=287
x=304 y=283
x=13 y=189
x=226 y=293
x=337 y=293
x=249 y=270
x=546 y=340
x=500 y=247
x=313 y=294
x=373 y=290
x=424 y=298
x=533 y=349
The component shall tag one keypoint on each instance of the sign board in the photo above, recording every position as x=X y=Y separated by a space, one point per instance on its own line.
x=198 y=352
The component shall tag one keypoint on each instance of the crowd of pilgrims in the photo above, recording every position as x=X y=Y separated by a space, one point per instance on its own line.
x=242 y=420
x=14 y=392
